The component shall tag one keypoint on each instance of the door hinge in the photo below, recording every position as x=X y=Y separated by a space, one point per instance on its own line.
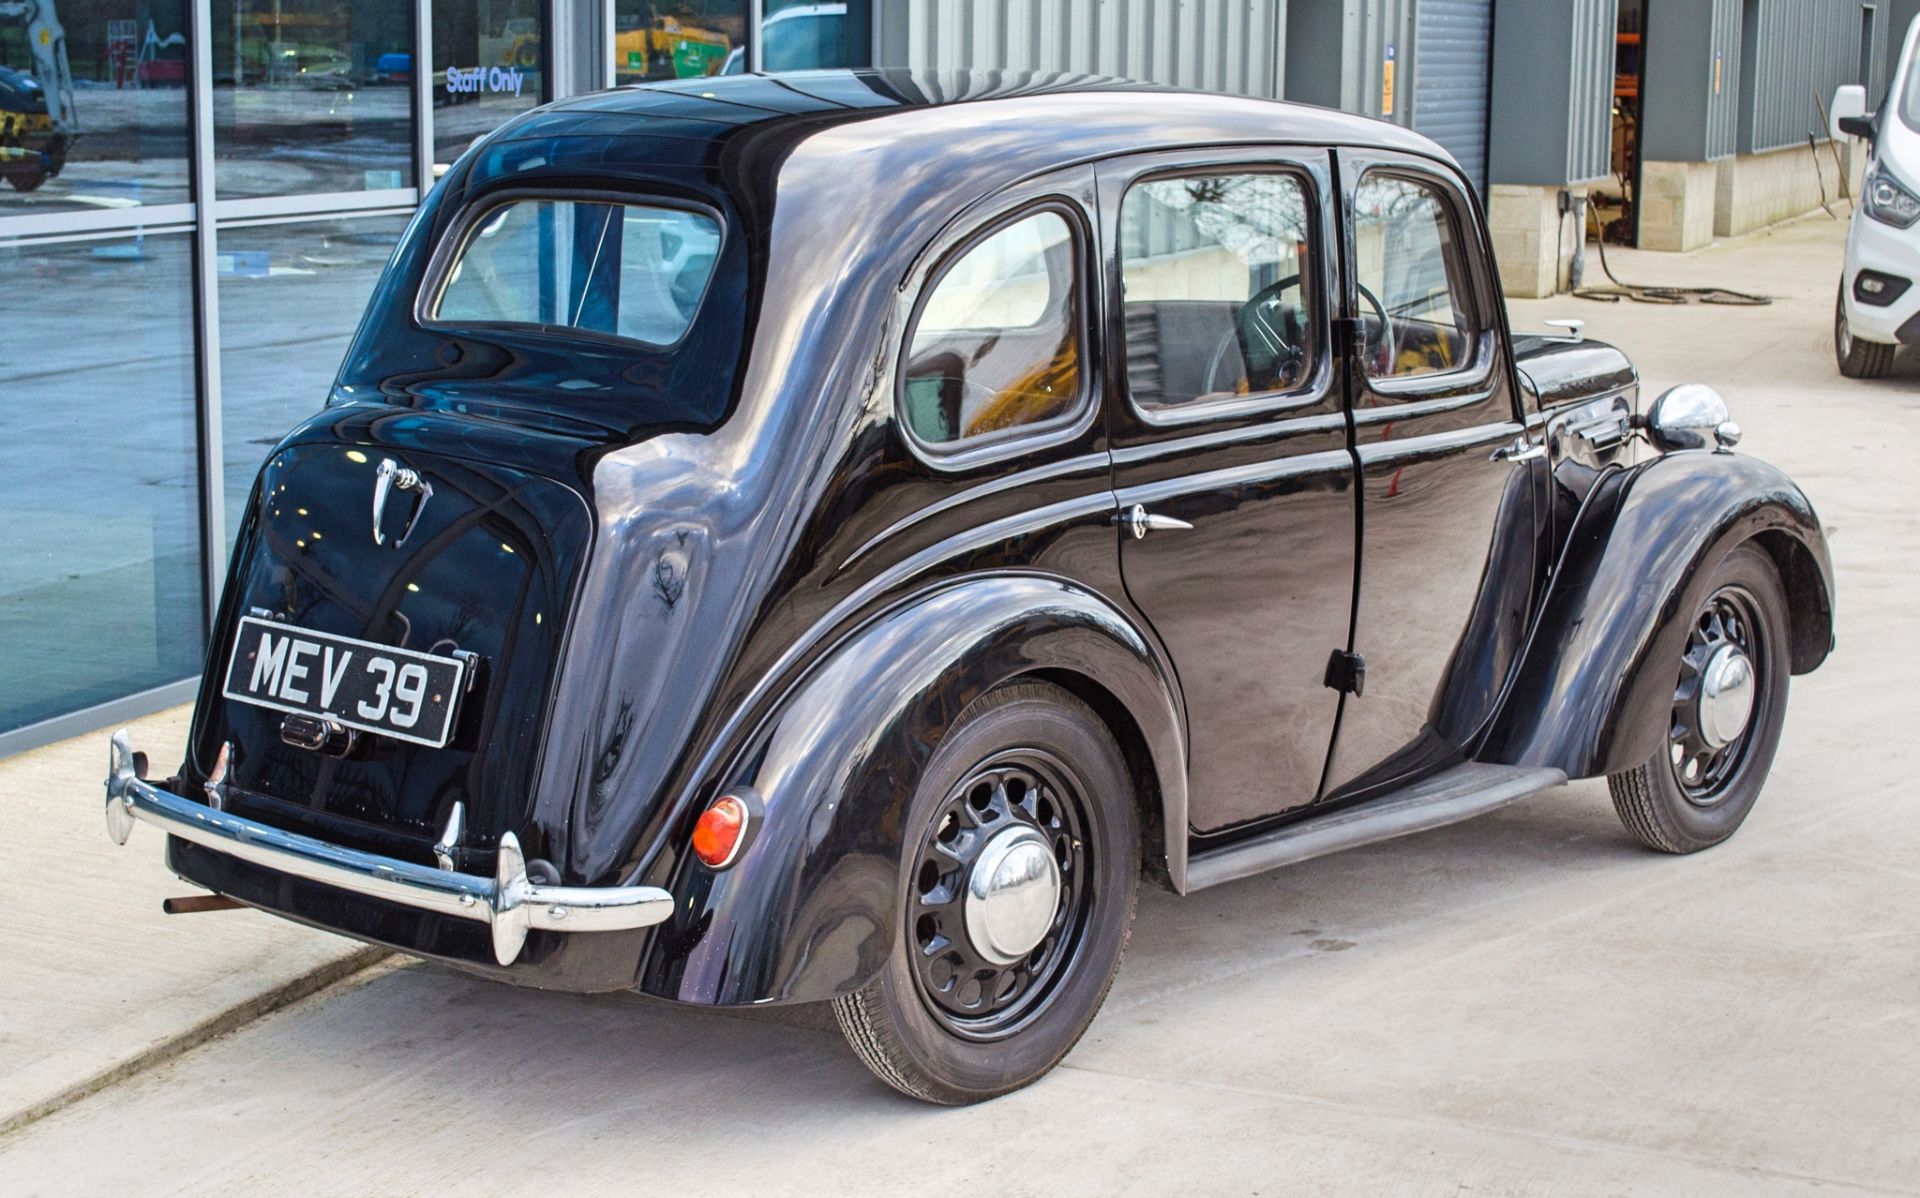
x=1346 y=337
x=1347 y=672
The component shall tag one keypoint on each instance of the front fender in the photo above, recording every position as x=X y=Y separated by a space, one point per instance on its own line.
x=1594 y=690
x=809 y=910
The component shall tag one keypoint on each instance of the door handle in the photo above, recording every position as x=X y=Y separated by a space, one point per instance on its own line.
x=1139 y=521
x=1521 y=450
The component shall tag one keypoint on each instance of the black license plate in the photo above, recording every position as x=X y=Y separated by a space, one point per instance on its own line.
x=375 y=688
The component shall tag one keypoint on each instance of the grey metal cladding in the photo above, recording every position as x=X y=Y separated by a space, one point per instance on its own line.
x=1690 y=84
x=1800 y=50
x=1451 y=79
x=1230 y=46
x=1552 y=102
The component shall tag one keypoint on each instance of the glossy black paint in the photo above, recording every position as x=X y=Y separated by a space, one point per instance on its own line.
x=1595 y=690
x=748 y=575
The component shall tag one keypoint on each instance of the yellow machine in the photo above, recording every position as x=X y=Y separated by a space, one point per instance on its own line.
x=669 y=48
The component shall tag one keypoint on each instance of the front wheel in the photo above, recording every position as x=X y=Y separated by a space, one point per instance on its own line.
x=1020 y=868
x=1729 y=702
x=1858 y=359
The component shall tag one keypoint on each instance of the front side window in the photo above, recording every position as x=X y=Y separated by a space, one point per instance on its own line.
x=996 y=345
x=620 y=270
x=1217 y=272
x=1414 y=308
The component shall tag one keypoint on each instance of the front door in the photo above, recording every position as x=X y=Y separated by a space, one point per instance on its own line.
x=1230 y=442
x=1447 y=500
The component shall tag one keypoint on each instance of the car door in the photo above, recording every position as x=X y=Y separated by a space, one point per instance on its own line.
x=1447 y=485
x=1231 y=463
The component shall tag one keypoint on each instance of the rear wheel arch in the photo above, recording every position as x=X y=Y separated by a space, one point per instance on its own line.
x=1148 y=795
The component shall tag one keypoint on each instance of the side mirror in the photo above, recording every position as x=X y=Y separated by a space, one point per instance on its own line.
x=1690 y=416
x=1848 y=116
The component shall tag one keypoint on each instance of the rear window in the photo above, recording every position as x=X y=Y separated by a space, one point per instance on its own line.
x=632 y=271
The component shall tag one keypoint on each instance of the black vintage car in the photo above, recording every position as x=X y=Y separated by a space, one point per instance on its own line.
x=828 y=537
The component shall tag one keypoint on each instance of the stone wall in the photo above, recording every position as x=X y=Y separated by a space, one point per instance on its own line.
x=1677 y=204
x=1755 y=190
x=1526 y=225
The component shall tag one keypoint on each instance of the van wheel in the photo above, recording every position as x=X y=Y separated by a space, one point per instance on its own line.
x=1858 y=359
x=1729 y=702
x=1020 y=869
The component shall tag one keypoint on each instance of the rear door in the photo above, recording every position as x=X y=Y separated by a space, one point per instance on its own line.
x=1230 y=443
x=1447 y=487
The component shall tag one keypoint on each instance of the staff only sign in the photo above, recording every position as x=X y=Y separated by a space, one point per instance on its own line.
x=462 y=80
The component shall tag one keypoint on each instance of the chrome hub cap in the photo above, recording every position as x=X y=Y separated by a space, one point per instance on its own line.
x=1726 y=696
x=1013 y=892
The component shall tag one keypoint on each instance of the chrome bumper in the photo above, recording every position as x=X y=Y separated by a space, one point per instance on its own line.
x=509 y=903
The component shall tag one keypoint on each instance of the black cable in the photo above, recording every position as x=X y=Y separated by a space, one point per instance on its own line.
x=1662 y=295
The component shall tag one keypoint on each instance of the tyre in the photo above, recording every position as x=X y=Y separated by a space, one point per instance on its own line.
x=1729 y=702
x=1858 y=359
x=1021 y=863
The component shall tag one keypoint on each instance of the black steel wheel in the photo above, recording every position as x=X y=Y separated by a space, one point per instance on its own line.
x=974 y=990
x=1729 y=703
x=1019 y=869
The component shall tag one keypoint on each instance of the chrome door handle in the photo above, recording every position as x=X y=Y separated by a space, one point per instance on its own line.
x=1139 y=521
x=1521 y=450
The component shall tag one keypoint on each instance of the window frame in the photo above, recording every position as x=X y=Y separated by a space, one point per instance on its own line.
x=438 y=274
x=968 y=452
x=1477 y=369
x=1310 y=390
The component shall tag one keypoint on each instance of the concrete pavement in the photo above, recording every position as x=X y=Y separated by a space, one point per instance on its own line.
x=1527 y=1003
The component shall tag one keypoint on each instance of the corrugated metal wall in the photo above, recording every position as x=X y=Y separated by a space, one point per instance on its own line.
x=1723 y=83
x=1797 y=50
x=1375 y=28
x=1219 y=45
x=1590 y=59
x=1455 y=39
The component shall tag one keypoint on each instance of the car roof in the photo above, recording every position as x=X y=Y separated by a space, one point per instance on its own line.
x=1027 y=120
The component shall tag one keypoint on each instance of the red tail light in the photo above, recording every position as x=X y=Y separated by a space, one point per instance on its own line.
x=720 y=832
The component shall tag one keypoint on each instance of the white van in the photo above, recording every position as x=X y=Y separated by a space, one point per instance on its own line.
x=1879 y=306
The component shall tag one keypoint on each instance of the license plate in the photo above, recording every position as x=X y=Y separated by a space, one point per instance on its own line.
x=374 y=688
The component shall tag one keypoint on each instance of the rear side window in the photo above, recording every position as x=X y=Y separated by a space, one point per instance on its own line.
x=1218 y=276
x=632 y=271
x=996 y=345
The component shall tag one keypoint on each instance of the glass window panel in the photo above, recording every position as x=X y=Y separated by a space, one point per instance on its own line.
x=802 y=35
x=291 y=297
x=93 y=106
x=997 y=343
x=1413 y=294
x=675 y=39
x=311 y=96
x=100 y=569
x=621 y=270
x=1218 y=278
x=489 y=64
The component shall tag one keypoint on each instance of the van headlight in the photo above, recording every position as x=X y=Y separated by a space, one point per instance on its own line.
x=1889 y=202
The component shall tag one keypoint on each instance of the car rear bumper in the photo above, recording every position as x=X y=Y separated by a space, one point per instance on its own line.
x=510 y=903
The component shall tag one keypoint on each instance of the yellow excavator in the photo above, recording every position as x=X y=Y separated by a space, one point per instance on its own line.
x=38 y=121
x=668 y=47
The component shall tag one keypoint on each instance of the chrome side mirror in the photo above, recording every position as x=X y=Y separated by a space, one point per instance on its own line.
x=1690 y=416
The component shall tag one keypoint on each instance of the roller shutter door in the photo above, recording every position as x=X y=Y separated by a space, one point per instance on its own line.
x=1453 y=62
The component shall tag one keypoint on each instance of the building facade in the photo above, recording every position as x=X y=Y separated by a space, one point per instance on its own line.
x=197 y=196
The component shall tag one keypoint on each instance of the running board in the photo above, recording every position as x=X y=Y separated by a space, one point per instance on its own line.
x=1446 y=798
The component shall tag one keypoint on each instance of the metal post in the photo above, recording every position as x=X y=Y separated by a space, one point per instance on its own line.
x=206 y=324
x=423 y=96
x=754 y=20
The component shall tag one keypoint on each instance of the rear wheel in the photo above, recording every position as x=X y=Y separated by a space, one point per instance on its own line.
x=1729 y=702
x=1020 y=869
x=1858 y=359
